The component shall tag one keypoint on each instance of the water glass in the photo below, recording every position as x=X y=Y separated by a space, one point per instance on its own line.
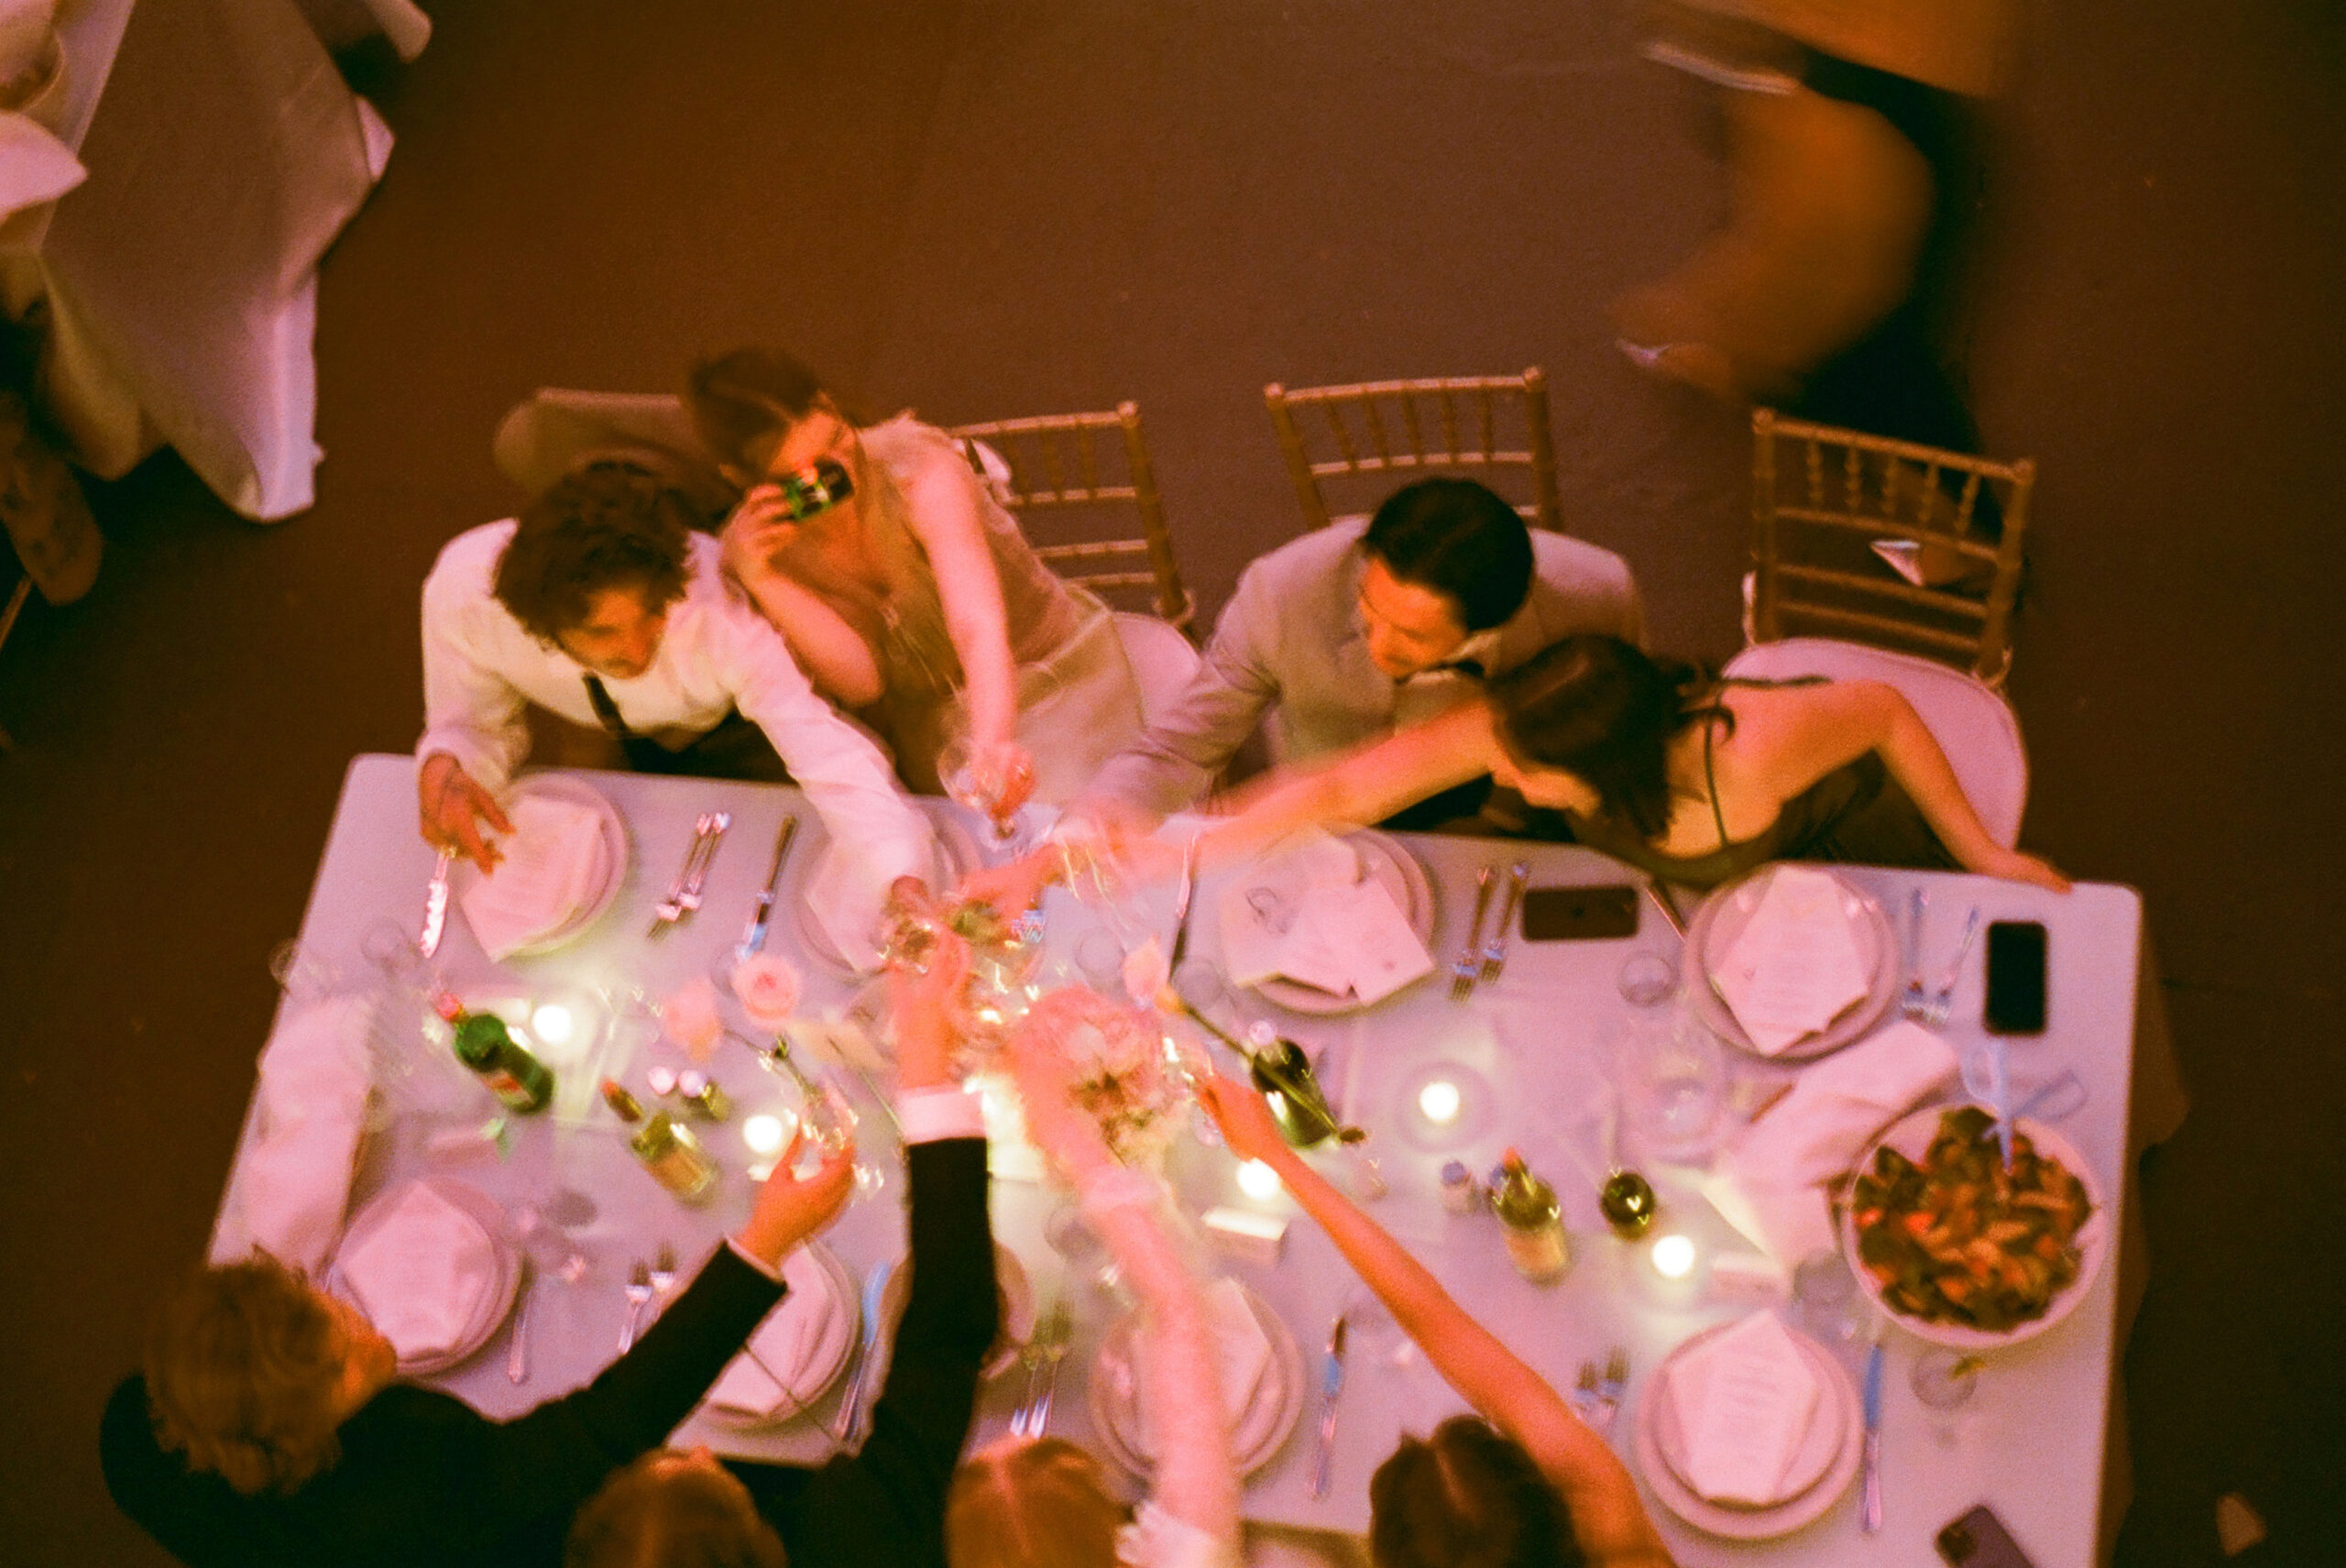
x=1673 y=1078
x=1826 y=1300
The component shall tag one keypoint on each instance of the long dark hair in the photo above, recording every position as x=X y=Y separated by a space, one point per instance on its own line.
x=1603 y=711
x=744 y=401
x=1466 y=1497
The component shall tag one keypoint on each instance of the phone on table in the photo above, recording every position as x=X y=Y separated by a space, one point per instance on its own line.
x=1579 y=913
x=1979 y=1540
x=2015 y=977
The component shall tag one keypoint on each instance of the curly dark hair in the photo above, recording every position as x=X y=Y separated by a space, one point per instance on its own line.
x=612 y=524
x=242 y=1366
x=1603 y=711
x=1466 y=1497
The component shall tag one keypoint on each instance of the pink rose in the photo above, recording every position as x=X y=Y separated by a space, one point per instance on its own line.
x=769 y=988
x=690 y=1019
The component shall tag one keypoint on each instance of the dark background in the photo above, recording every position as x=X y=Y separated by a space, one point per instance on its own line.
x=989 y=209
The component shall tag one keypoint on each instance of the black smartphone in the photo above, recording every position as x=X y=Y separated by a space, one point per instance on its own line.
x=2015 y=977
x=1979 y=1540
x=1579 y=913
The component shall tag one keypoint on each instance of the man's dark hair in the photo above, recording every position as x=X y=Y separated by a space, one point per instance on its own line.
x=1459 y=539
x=1466 y=1497
x=609 y=525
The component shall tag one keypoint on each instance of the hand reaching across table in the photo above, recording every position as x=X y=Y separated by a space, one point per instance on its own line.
x=454 y=807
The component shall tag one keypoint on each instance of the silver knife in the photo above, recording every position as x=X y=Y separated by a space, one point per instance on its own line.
x=1332 y=1385
x=1869 y=1514
x=1494 y=950
x=755 y=938
x=435 y=906
x=1181 y=904
x=517 y=1354
x=859 y=1371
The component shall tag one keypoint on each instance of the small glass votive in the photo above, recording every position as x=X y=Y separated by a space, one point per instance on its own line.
x=1647 y=980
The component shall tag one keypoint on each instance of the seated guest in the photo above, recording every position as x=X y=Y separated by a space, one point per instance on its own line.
x=1346 y=635
x=912 y=601
x=1521 y=1482
x=886 y=1503
x=1043 y=1502
x=268 y=1428
x=603 y=606
x=1689 y=778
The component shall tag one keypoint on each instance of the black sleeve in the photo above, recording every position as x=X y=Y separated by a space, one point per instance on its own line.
x=894 y=1491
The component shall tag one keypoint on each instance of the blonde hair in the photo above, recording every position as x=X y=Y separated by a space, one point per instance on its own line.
x=242 y=1366
x=1031 y=1505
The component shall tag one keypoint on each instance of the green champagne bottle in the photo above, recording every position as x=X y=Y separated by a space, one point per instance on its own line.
x=1534 y=1222
x=484 y=1044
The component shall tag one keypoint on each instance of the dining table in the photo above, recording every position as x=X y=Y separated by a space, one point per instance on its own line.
x=1527 y=1061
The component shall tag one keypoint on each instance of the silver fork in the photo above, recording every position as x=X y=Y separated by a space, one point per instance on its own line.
x=688 y=901
x=639 y=1292
x=1469 y=965
x=1494 y=950
x=1610 y=1387
x=1942 y=1000
x=1584 y=1392
x=1916 y=1000
x=671 y=908
x=663 y=1278
x=1052 y=1340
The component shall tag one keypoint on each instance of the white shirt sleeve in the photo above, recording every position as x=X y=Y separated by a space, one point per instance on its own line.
x=926 y=1115
x=470 y=711
x=846 y=777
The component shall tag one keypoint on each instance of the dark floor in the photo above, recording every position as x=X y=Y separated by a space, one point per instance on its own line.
x=991 y=209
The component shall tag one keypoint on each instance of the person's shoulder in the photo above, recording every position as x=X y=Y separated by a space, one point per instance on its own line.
x=908 y=445
x=464 y=572
x=1324 y=558
x=1575 y=565
x=128 y=1422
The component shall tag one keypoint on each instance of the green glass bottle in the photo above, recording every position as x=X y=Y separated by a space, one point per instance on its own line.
x=484 y=1044
x=667 y=1148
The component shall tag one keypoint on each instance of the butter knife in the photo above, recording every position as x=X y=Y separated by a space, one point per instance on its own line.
x=1332 y=1385
x=435 y=906
x=859 y=1371
x=755 y=938
x=517 y=1354
x=1869 y=1514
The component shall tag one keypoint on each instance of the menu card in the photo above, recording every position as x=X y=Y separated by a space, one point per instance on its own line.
x=1308 y=914
x=1744 y=1399
x=1795 y=966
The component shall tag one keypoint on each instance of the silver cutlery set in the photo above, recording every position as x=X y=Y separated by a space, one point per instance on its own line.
x=1042 y=1356
x=1481 y=960
x=1597 y=1396
x=683 y=893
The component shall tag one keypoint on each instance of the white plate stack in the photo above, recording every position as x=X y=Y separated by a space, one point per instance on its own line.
x=1262 y=1368
x=430 y=1264
x=797 y=1352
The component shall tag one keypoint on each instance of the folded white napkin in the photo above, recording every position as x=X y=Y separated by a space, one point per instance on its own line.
x=1744 y=1400
x=420 y=1273
x=778 y=1365
x=35 y=167
x=1766 y=1183
x=555 y=863
x=1241 y=1353
x=1307 y=914
x=293 y=1180
x=1796 y=965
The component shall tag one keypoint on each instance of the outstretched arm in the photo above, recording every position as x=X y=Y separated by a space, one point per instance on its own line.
x=1610 y=1523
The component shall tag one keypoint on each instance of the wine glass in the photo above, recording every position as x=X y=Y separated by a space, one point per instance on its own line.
x=976 y=786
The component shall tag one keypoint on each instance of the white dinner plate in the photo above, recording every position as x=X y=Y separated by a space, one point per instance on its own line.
x=1258 y=1433
x=495 y=1301
x=1910 y=1135
x=957 y=856
x=1839 y=1425
x=463 y=874
x=1712 y=933
x=1387 y=861
x=823 y=1364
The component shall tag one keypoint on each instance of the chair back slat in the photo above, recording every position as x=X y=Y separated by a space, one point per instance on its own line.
x=1060 y=464
x=1816 y=530
x=1381 y=430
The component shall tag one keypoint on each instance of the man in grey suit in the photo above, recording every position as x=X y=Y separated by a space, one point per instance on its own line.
x=1350 y=634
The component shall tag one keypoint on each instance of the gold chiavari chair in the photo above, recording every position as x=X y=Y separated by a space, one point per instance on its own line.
x=1365 y=439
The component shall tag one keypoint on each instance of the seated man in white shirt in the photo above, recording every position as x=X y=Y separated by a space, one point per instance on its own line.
x=603 y=605
x=1347 y=634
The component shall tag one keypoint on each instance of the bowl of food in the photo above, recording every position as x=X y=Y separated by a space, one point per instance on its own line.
x=1959 y=1250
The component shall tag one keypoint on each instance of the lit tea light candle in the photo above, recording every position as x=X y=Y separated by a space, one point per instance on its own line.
x=764 y=1134
x=1258 y=1180
x=1673 y=1256
x=552 y=1023
x=1440 y=1101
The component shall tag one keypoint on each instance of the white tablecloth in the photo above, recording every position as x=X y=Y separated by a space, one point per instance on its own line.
x=1529 y=1049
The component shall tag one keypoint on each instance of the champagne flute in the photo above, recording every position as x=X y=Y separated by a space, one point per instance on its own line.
x=979 y=789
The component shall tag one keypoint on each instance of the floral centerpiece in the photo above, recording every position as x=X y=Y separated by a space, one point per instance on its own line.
x=1110 y=1061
